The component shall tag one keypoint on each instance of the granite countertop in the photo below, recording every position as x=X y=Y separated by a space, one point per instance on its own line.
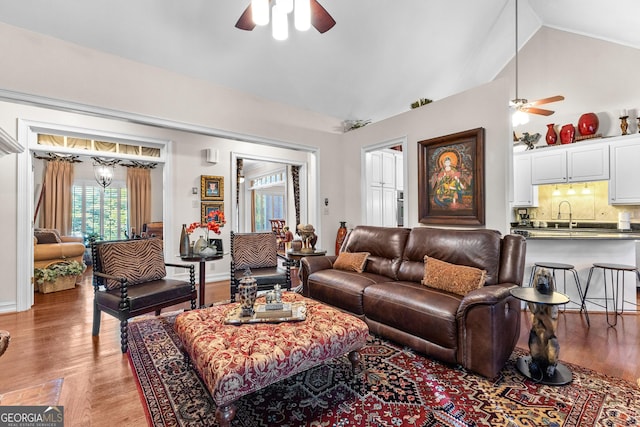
x=577 y=233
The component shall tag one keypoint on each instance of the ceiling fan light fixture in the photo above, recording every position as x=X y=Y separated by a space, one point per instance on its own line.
x=302 y=15
x=260 y=11
x=519 y=118
x=280 y=25
x=285 y=6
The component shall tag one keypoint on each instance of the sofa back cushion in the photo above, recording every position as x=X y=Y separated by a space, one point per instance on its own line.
x=385 y=246
x=138 y=261
x=474 y=248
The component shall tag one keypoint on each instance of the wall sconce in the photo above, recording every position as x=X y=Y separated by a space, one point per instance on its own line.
x=103 y=170
x=571 y=191
x=556 y=192
x=586 y=190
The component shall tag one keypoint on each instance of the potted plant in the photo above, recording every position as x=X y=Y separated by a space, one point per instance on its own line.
x=58 y=276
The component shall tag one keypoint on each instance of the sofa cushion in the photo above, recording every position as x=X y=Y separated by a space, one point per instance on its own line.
x=351 y=261
x=479 y=248
x=136 y=260
x=384 y=244
x=418 y=310
x=342 y=289
x=459 y=279
x=47 y=235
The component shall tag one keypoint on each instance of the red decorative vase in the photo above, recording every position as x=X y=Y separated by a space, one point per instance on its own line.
x=552 y=136
x=588 y=124
x=567 y=134
x=342 y=233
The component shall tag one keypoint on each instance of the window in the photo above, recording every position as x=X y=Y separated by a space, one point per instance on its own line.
x=100 y=211
x=269 y=200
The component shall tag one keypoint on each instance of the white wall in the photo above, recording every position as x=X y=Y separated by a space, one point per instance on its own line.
x=593 y=75
x=484 y=106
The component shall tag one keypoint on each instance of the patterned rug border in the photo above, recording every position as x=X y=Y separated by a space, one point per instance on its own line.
x=509 y=399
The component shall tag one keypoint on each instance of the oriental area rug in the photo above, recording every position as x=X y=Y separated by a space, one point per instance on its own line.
x=397 y=387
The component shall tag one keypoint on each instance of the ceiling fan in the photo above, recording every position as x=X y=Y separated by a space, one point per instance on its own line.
x=522 y=106
x=320 y=18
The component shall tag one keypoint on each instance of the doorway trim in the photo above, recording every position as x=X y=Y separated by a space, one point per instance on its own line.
x=28 y=131
x=401 y=140
x=308 y=169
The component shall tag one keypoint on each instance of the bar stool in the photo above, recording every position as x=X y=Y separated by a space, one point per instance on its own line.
x=619 y=270
x=553 y=266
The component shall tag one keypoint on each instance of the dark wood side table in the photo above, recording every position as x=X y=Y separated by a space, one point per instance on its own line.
x=202 y=260
x=562 y=374
x=293 y=258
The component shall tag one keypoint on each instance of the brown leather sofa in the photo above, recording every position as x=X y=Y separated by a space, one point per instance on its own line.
x=478 y=331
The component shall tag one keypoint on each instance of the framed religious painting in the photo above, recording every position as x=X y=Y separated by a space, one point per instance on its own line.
x=211 y=187
x=451 y=179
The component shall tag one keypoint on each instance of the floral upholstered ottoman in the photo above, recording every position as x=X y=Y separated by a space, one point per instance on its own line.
x=234 y=361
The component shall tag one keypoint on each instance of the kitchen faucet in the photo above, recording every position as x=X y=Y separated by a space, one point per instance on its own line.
x=570 y=215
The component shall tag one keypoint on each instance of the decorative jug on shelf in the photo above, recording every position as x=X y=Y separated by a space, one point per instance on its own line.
x=552 y=136
x=567 y=134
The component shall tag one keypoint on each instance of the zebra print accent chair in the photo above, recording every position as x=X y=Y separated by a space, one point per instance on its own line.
x=129 y=280
x=259 y=253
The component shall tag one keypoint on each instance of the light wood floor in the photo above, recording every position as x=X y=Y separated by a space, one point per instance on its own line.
x=53 y=340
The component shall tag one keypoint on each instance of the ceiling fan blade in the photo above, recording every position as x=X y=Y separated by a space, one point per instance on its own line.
x=534 y=110
x=246 y=20
x=320 y=18
x=547 y=100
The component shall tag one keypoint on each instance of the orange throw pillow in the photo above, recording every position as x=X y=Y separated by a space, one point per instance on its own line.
x=351 y=261
x=457 y=279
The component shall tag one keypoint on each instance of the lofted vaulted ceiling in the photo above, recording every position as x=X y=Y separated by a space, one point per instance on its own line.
x=380 y=57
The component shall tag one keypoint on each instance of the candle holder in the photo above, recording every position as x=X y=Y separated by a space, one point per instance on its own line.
x=624 y=125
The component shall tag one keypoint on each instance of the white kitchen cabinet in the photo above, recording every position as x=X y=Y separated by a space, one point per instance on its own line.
x=525 y=194
x=588 y=163
x=625 y=171
x=575 y=163
x=549 y=166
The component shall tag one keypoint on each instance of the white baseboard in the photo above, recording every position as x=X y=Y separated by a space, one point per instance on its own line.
x=8 y=307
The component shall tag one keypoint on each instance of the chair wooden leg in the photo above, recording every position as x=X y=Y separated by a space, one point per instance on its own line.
x=124 y=334
x=193 y=304
x=158 y=312
x=96 y=320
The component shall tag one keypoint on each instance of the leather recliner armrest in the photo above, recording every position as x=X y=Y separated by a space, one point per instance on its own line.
x=310 y=265
x=487 y=295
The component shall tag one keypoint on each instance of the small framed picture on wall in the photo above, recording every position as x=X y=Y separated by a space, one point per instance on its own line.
x=208 y=207
x=211 y=187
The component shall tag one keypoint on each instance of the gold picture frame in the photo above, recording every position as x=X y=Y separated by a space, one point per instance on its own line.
x=211 y=187
x=206 y=207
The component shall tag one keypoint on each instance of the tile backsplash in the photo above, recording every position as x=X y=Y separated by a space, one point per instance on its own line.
x=589 y=203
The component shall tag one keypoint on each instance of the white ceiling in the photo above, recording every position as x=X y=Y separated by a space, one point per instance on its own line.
x=381 y=55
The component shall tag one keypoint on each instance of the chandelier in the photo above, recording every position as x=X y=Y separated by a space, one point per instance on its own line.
x=280 y=15
x=103 y=170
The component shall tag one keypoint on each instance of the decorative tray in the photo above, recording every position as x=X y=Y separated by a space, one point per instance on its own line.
x=297 y=313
